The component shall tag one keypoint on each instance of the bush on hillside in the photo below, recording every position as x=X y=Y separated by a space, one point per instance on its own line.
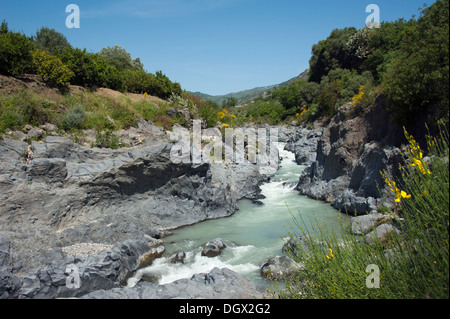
x=51 y=69
x=50 y=40
x=15 y=52
x=74 y=118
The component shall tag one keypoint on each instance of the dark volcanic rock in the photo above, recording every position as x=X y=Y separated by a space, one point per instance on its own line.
x=73 y=277
x=349 y=158
x=217 y=284
x=57 y=193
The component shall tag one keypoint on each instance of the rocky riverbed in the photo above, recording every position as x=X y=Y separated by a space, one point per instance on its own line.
x=71 y=212
x=102 y=210
x=345 y=158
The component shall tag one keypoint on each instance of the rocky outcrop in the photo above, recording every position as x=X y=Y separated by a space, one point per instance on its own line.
x=217 y=284
x=350 y=154
x=57 y=197
x=362 y=225
x=75 y=277
x=303 y=143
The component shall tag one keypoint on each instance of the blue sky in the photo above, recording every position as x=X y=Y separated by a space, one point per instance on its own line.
x=212 y=46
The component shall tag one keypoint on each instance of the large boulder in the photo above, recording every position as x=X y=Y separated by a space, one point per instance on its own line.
x=9 y=285
x=213 y=248
x=303 y=144
x=74 y=277
x=279 y=267
x=381 y=233
x=362 y=225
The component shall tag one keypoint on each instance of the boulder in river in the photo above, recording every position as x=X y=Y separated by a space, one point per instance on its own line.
x=178 y=258
x=213 y=248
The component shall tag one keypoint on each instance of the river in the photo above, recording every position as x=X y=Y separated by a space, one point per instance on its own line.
x=253 y=234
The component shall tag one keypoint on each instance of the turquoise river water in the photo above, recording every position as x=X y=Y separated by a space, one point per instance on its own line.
x=253 y=234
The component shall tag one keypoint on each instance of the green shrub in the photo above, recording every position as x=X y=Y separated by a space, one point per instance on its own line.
x=108 y=140
x=123 y=115
x=15 y=52
x=209 y=114
x=74 y=118
x=51 y=68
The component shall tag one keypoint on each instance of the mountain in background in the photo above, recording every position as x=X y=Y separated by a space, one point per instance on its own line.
x=252 y=94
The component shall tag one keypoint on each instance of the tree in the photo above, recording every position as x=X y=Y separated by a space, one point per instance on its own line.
x=15 y=52
x=230 y=102
x=161 y=86
x=120 y=58
x=357 y=48
x=384 y=46
x=4 y=27
x=50 y=40
x=330 y=54
x=52 y=69
x=416 y=83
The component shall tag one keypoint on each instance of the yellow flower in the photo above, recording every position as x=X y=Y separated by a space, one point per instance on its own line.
x=401 y=194
x=225 y=125
x=420 y=165
x=331 y=254
x=358 y=97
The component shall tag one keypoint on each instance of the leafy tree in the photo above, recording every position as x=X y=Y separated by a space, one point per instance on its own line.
x=266 y=111
x=15 y=52
x=138 y=81
x=230 y=102
x=384 y=46
x=357 y=48
x=339 y=87
x=52 y=69
x=330 y=54
x=4 y=27
x=92 y=70
x=416 y=83
x=297 y=94
x=161 y=86
x=51 y=40
x=120 y=58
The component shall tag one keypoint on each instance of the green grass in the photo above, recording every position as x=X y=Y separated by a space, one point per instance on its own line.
x=84 y=110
